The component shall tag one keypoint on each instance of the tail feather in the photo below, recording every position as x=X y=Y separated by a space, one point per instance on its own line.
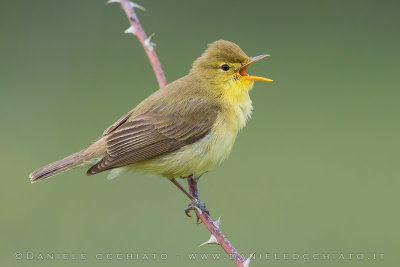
x=57 y=167
x=87 y=155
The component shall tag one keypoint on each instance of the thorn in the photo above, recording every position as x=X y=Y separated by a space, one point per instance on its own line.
x=246 y=263
x=218 y=222
x=213 y=239
x=149 y=45
x=130 y=30
x=113 y=1
x=134 y=5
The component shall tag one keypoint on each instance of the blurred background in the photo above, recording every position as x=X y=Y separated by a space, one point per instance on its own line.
x=314 y=173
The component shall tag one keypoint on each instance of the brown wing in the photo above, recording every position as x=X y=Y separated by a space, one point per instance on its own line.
x=118 y=123
x=153 y=134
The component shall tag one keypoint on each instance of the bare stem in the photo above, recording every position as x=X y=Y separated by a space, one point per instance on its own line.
x=128 y=7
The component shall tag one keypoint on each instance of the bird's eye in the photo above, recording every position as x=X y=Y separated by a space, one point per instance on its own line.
x=225 y=67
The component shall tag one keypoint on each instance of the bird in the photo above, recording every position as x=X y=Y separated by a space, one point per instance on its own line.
x=182 y=130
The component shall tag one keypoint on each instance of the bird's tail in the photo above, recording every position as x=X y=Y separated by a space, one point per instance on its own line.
x=87 y=155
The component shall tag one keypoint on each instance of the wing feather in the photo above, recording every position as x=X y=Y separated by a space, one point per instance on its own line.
x=153 y=134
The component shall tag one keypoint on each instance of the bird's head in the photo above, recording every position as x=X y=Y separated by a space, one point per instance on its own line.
x=224 y=64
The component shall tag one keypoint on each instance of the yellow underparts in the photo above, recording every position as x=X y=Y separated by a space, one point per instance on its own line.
x=204 y=154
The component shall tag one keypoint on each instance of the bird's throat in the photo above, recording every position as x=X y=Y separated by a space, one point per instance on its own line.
x=237 y=92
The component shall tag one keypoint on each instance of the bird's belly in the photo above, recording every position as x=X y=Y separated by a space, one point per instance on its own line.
x=199 y=157
x=196 y=158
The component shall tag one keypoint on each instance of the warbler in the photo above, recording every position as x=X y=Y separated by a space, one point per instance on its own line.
x=183 y=129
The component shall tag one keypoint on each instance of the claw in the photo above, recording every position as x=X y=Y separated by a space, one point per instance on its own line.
x=187 y=212
x=198 y=206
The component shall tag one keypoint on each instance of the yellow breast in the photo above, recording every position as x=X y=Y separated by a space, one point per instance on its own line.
x=204 y=154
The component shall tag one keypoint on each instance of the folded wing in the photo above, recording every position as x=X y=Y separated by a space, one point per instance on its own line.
x=153 y=134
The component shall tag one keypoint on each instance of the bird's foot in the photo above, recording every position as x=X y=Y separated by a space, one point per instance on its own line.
x=198 y=207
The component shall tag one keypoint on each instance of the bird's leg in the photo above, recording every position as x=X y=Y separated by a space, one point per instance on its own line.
x=196 y=203
x=194 y=196
x=177 y=184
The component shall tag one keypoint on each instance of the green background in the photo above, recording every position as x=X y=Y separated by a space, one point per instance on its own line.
x=316 y=170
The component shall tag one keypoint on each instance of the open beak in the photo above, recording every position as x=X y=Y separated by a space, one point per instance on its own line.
x=242 y=70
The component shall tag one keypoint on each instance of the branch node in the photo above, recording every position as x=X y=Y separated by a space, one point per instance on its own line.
x=130 y=30
x=150 y=45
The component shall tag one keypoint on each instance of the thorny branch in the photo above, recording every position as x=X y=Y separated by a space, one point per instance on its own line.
x=216 y=235
x=136 y=29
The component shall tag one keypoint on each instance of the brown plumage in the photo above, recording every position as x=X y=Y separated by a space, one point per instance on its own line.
x=154 y=133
